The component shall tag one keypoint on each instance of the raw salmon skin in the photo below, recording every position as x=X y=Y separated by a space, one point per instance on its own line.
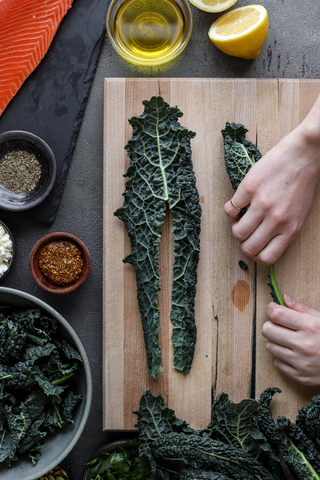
x=27 y=28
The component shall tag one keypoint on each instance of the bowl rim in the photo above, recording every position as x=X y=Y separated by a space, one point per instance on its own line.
x=27 y=136
x=88 y=377
x=13 y=250
x=41 y=280
x=113 y=7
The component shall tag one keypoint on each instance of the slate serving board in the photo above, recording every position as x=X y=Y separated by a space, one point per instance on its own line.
x=230 y=305
x=52 y=100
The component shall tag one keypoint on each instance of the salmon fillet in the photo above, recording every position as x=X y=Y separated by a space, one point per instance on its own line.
x=27 y=28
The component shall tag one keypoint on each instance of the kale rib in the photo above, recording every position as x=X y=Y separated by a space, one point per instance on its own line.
x=161 y=173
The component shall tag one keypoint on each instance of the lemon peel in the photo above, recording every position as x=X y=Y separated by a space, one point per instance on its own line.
x=241 y=32
x=213 y=5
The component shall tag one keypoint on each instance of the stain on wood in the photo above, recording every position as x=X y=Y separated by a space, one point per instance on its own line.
x=241 y=295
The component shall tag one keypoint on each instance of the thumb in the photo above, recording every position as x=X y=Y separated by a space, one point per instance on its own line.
x=299 y=307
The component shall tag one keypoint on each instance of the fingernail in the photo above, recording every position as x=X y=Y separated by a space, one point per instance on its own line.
x=288 y=300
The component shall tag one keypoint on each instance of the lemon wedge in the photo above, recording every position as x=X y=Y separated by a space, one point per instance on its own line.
x=213 y=5
x=241 y=32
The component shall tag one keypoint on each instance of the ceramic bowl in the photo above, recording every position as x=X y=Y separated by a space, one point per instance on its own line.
x=18 y=140
x=119 y=14
x=13 y=251
x=38 y=276
x=108 y=447
x=61 y=442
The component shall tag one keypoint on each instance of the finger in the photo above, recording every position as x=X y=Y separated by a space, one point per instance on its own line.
x=272 y=251
x=278 y=334
x=299 y=307
x=286 y=318
x=286 y=369
x=243 y=227
x=282 y=353
x=232 y=209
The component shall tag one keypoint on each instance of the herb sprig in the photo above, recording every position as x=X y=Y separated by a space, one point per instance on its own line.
x=122 y=463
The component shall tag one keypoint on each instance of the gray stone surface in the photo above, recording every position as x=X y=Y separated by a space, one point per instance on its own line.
x=290 y=51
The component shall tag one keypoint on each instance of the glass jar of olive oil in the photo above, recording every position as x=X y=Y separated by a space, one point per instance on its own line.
x=149 y=32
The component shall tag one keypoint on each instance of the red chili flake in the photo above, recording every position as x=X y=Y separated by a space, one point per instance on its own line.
x=61 y=262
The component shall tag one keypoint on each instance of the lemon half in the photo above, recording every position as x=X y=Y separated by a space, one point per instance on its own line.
x=241 y=32
x=213 y=5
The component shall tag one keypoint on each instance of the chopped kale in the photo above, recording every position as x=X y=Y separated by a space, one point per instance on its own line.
x=35 y=397
x=160 y=175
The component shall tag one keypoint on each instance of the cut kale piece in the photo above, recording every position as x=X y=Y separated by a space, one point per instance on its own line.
x=161 y=174
x=35 y=394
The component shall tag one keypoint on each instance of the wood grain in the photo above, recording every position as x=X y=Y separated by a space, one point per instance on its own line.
x=230 y=303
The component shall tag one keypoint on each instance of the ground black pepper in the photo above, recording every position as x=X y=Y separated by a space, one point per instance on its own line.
x=20 y=171
x=61 y=262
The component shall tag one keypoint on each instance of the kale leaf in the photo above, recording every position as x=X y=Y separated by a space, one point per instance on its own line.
x=294 y=446
x=161 y=174
x=175 y=451
x=240 y=155
x=35 y=398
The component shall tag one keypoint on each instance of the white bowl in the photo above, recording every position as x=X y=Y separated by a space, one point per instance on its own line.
x=60 y=443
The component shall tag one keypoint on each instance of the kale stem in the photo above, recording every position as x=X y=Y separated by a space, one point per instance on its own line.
x=63 y=379
x=274 y=286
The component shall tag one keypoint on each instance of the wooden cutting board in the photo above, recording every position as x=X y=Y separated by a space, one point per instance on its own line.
x=230 y=304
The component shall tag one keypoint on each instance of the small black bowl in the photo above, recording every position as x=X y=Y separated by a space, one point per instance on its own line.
x=28 y=142
x=13 y=250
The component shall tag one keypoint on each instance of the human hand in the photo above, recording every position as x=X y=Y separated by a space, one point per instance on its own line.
x=293 y=336
x=279 y=191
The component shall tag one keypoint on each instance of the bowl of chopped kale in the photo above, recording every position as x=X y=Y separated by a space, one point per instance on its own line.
x=45 y=386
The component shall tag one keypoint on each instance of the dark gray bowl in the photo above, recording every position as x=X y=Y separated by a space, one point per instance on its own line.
x=20 y=140
x=59 y=444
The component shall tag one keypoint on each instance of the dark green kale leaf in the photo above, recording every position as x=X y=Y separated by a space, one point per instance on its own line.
x=294 y=447
x=240 y=155
x=195 y=474
x=161 y=174
x=35 y=394
x=308 y=420
x=174 y=450
x=200 y=452
x=236 y=424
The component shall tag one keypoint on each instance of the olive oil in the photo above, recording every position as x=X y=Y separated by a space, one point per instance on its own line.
x=150 y=31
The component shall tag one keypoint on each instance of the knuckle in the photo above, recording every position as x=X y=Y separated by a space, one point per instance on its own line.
x=293 y=229
x=247 y=250
x=274 y=312
x=307 y=349
x=251 y=186
x=267 y=258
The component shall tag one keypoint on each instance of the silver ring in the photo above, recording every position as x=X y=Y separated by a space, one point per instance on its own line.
x=235 y=206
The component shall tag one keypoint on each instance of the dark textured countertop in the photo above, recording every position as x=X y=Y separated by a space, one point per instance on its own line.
x=290 y=51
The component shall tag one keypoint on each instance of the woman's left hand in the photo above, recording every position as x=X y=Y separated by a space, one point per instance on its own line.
x=293 y=335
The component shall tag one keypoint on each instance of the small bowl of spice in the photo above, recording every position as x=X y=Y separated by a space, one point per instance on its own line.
x=7 y=250
x=60 y=262
x=28 y=170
